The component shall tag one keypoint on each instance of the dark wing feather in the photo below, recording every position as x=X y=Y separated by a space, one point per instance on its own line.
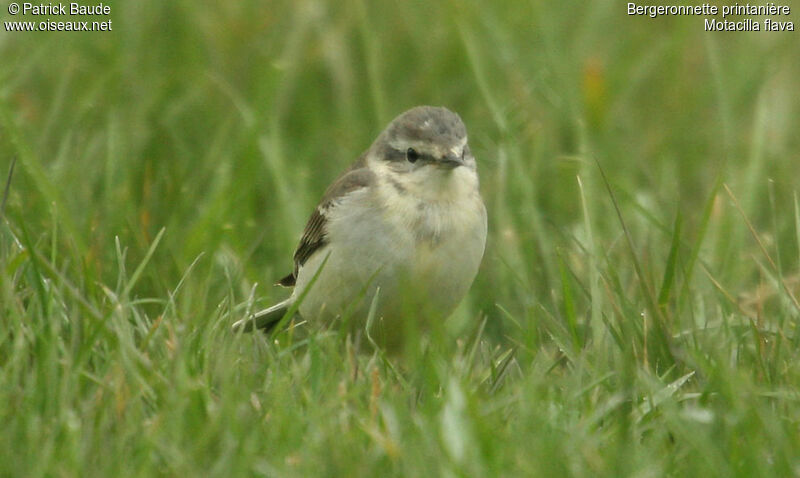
x=314 y=235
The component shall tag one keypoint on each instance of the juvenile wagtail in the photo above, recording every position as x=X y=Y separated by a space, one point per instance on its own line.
x=405 y=221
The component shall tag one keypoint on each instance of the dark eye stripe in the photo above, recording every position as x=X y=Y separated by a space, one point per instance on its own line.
x=392 y=154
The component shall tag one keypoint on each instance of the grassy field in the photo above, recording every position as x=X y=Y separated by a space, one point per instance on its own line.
x=635 y=314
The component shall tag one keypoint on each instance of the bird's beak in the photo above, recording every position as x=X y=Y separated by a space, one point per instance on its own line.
x=451 y=161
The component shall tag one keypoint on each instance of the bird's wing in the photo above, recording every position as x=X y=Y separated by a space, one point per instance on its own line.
x=314 y=235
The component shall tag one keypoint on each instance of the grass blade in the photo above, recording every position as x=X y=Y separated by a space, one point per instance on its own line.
x=7 y=188
x=140 y=268
x=669 y=271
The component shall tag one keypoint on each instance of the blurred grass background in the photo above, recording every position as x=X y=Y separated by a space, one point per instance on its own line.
x=647 y=332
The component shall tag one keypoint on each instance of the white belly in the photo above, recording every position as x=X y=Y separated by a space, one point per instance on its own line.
x=422 y=259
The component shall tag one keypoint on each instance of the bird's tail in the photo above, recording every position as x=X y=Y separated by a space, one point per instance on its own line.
x=264 y=319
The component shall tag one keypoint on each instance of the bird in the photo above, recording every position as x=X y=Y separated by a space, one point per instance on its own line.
x=399 y=234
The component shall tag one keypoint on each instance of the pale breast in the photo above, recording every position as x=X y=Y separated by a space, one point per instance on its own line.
x=448 y=235
x=423 y=255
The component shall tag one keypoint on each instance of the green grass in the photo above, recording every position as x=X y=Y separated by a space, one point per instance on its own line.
x=635 y=314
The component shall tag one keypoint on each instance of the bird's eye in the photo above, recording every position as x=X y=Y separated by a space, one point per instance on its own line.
x=412 y=155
